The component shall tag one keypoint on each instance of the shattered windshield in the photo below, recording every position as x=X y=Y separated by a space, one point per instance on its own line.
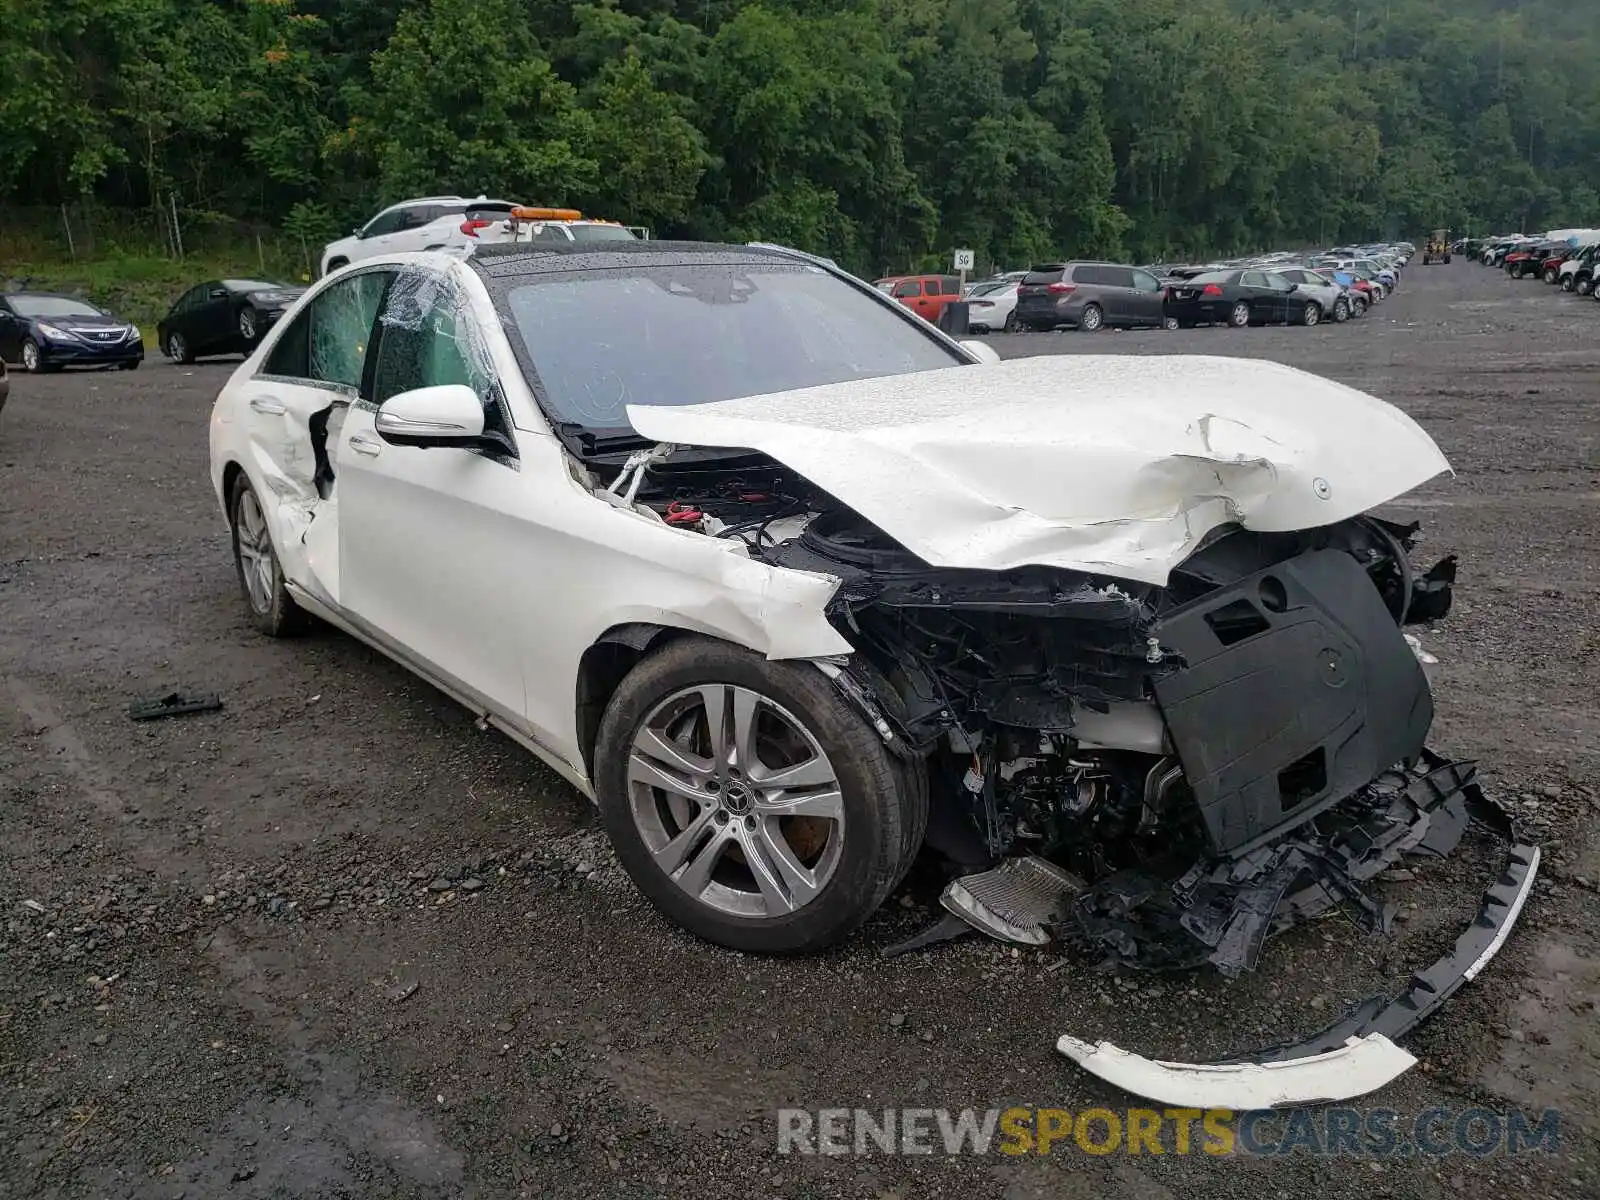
x=691 y=334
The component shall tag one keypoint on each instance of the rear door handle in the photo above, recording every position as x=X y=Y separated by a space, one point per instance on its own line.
x=362 y=444
x=267 y=406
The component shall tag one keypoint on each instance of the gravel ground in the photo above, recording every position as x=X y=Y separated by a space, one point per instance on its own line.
x=335 y=941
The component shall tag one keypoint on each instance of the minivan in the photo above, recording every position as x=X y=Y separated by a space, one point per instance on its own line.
x=1089 y=296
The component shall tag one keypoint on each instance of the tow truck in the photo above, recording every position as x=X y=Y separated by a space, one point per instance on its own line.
x=549 y=225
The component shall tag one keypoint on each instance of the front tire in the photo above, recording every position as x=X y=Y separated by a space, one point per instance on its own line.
x=249 y=325
x=1341 y=311
x=1093 y=318
x=272 y=610
x=1549 y=275
x=1583 y=286
x=33 y=360
x=749 y=801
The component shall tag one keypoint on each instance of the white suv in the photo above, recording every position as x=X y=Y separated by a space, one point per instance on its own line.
x=428 y=223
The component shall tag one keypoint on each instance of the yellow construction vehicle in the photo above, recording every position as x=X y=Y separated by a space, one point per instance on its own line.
x=1438 y=248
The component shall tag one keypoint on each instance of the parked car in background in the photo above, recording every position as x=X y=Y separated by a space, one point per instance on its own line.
x=993 y=305
x=1359 y=290
x=1550 y=268
x=222 y=316
x=1527 y=260
x=1577 y=273
x=427 y=223
x=925 y=295
x=1089 y=296
x=1240 y=298
x=997 y=277
x=1332 y=299
x=45 y=331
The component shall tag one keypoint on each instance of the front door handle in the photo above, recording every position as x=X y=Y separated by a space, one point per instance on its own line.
x=268 y=407
x=362 y=444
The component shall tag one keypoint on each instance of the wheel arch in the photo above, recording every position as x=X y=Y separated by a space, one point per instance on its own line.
x=602 y=668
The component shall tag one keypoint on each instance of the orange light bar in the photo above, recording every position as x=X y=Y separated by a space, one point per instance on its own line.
x=546 y=214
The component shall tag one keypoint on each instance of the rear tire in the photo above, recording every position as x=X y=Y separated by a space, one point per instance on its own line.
x=1093 y=318
x=1341 y=311
x=178 y=350
x=1011 y=323
x=883 y=801
x=272 y=610
x=1239 y=315
x=1583 y=286
x=249 y=325
x=1170 y=323
x=1550 y=275
x=1311 y=314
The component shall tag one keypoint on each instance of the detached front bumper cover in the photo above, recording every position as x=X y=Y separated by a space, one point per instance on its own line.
x=1352 y=1057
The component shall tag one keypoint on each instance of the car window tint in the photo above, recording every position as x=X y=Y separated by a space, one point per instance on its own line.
x=1043 y=275
x=1253 y=279
x=383 y=223
x=697 y=333
x=908 y=287
x=427 y=339
x=1146 y=282
x=327 y=342
x=413 y=218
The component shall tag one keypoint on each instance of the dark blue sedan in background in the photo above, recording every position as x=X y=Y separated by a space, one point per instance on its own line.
x=44 y=332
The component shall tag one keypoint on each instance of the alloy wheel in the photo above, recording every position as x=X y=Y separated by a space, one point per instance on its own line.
x=175 y=347
x=30 y=356
x=736 y=801
x=1092 y=319
x=247 y=325
x=258 y=563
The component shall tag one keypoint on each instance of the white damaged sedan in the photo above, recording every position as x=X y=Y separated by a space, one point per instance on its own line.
x=796 y=587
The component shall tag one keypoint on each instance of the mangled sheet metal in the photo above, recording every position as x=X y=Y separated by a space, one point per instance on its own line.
x=1114 y=464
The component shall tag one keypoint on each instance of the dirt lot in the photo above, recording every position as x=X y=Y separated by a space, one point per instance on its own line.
x=335 y=941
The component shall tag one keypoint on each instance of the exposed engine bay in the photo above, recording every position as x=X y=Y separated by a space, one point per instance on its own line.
x=1168 y=775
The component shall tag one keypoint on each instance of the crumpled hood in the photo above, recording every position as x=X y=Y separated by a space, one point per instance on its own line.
x=1109 y=464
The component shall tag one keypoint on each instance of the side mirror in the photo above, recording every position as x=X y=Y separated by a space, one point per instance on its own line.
x=981 y=351
x=357 y=232
x=447 y=415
